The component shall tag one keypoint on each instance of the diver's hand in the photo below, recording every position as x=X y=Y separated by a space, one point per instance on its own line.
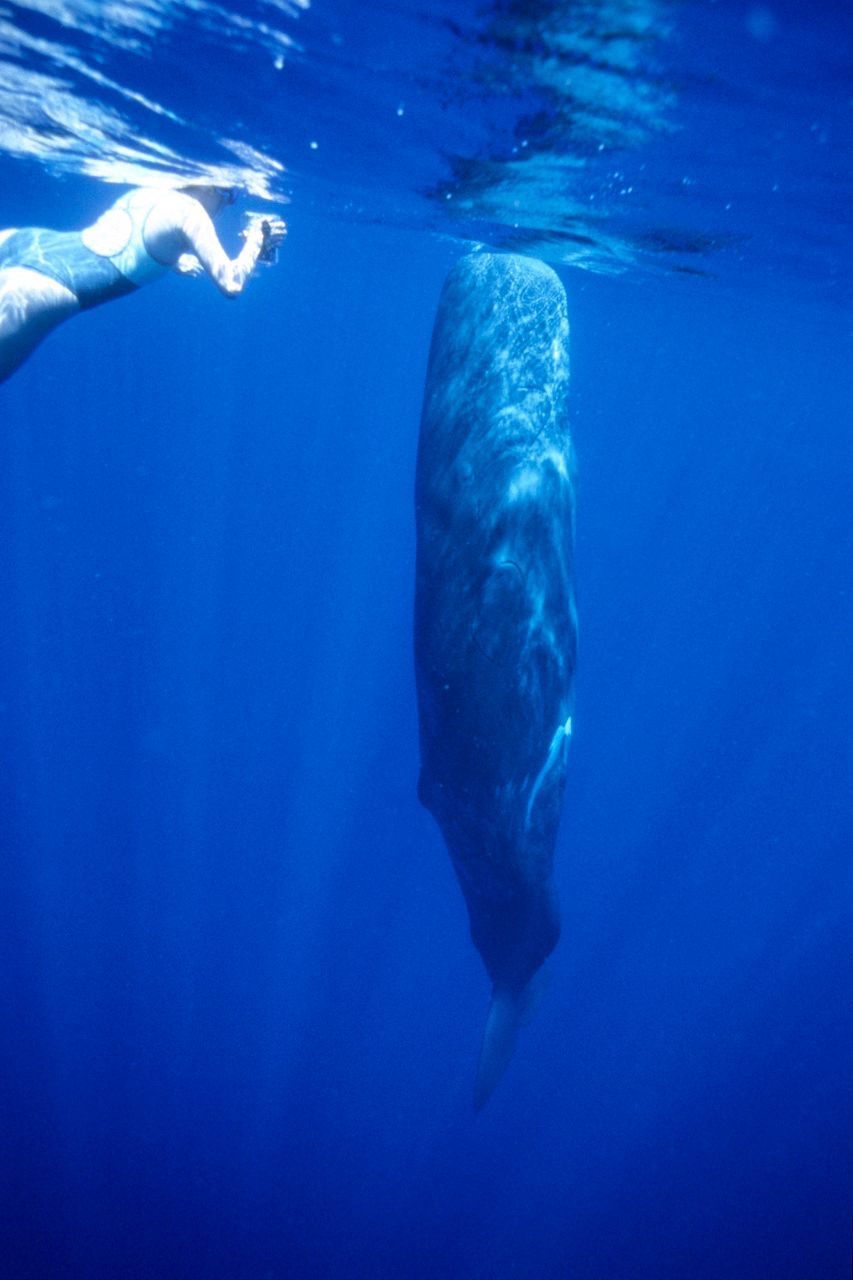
x=188 y=265
x=266 y=232
x=275 y=230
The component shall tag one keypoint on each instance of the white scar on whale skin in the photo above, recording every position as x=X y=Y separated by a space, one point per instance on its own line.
x=560 y=733
x=527 y=481
x=524 y=483
x=558 y=460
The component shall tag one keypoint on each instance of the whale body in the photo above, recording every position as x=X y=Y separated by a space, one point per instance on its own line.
x=495 y=620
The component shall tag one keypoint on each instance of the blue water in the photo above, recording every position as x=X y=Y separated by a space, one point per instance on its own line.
x=240 y=1010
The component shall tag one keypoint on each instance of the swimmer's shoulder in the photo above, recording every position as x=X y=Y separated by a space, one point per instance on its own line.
x=177 y=209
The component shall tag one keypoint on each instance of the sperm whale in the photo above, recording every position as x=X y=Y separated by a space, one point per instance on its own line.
x=495 y=618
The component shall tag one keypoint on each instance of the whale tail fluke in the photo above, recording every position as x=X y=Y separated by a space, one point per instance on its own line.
x=509 y=1011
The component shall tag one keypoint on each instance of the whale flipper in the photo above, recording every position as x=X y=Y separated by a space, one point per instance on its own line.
x=495 y=625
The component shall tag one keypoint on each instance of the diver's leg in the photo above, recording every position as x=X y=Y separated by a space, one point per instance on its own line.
x=31 y=305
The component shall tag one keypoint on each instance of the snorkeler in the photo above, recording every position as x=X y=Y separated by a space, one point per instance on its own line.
x=48 y=276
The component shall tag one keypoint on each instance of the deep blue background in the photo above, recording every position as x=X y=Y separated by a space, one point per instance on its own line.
x=241 y=1013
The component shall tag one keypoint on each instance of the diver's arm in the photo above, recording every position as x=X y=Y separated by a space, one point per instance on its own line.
x=228 y=274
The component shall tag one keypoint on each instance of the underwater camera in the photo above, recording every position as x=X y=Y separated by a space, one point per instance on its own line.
x=268 y=253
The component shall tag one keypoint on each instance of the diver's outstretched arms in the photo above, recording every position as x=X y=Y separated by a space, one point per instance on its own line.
x=261 y=237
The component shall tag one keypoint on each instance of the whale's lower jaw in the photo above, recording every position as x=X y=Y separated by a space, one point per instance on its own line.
x=509 y=1011
x=514 y=934
x=515 y=925
x=499 y=1041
